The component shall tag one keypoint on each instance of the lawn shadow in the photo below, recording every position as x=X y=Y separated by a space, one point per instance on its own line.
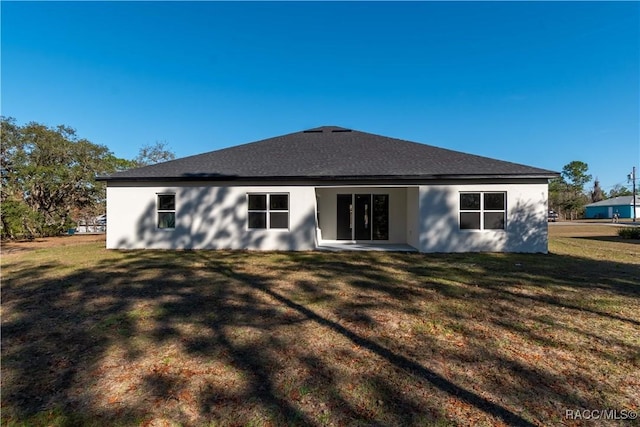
x=262 y=326
x=397 y=360
x=614 y=239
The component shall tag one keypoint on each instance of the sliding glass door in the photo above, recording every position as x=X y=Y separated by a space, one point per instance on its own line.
x=362 y=217
x=380 y=213
x=344 y=220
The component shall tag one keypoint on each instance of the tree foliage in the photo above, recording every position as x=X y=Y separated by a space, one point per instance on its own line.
x=620 y=190
x=150 y=154
x=566 y=192
x=48 y=178
x=576 y=176
x=597 y=194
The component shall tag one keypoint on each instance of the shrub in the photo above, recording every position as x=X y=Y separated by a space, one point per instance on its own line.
x=629 y=232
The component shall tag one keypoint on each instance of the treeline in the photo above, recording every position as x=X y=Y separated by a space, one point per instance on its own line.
x=48 y=177
x=567 y=194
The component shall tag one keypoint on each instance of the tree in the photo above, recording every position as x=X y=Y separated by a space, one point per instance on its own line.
x=48 y=178
x=566 y=192
x=16 y=216
x=557 y=193
x=575 y=174
x=597 y=194
x=620 y=190
x=152 y=154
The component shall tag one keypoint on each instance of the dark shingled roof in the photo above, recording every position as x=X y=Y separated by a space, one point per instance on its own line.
x=330 y=152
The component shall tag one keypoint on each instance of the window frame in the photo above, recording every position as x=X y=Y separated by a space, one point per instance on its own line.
x=269 y=210
x=163 y=211
x=481 y=211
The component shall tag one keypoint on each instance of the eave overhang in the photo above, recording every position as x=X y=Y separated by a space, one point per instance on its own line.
x=367 y=178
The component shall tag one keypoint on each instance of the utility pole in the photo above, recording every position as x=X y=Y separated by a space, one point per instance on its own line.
x=632 y=177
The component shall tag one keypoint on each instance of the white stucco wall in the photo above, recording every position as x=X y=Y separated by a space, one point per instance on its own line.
x=327 y=207
x=424 y=216
x=413 y=220
x=207 y=217
x=526 y=225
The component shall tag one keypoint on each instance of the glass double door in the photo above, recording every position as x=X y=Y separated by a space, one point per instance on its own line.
x=363 y=217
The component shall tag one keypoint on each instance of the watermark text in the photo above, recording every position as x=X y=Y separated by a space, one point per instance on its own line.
x=600 y=414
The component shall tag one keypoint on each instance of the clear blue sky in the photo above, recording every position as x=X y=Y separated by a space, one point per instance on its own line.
x=539 y=83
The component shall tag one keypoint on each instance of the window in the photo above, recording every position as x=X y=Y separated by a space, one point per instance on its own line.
x=494 y=211
x=268 y=211
x=483 y=211
x=166 y=211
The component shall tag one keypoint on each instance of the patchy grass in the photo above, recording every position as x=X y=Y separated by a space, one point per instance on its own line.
x=100 y=337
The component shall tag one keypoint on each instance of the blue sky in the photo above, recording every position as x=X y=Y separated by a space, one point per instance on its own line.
x=539 y=83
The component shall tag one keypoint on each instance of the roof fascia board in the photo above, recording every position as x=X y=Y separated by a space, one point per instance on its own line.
x=329 y=183
x=329 y=178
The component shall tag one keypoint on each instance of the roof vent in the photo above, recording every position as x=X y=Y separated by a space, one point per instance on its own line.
x=326 y=129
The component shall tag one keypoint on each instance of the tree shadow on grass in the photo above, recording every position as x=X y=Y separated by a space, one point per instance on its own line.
x=396 y=359
x=288 y=338
x=614 y=239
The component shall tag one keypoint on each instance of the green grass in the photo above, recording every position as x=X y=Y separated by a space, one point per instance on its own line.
x=97 y=337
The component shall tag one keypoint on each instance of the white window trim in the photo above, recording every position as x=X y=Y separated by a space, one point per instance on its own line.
x=174 y=210
x=268 y=210
x=482 y=212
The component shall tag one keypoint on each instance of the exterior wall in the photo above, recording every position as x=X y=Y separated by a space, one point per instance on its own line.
x=599 y=212
x=207 y=217
x=424 y=216
x=413 y=220
x=327 y=209
x=526 y=225
x=625 y=211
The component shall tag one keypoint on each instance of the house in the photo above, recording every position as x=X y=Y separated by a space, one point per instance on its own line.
x=92 y=225
x=330 y=187
x=623 y=205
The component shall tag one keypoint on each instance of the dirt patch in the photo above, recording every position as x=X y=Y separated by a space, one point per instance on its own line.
x=11 y=247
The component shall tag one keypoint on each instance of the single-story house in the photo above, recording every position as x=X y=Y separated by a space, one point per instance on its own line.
x=330 y=187
x=622 y=205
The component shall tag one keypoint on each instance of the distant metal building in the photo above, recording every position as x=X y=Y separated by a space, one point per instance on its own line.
x=622 y=205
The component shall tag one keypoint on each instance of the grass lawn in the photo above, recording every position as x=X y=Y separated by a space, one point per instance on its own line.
x=97 y=337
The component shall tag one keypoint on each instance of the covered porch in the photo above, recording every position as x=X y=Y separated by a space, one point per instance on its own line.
x=367 y=218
